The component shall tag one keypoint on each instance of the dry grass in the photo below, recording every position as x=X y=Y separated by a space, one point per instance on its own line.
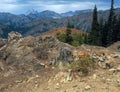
x=54 y=31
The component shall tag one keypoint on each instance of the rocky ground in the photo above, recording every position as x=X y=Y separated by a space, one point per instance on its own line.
x=41 y=64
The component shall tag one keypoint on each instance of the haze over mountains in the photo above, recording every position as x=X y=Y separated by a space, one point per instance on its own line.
x=36 y=22
x=33 y=15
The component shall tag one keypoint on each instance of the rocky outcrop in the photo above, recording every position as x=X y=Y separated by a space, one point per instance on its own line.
x=64 y=54
x=14 y=35
x=19 y=51
x=30 y=53
x=26 y=60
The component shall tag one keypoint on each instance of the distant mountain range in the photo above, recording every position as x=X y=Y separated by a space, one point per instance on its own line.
x=36 y=22
x=18 y=20
x=71 y=13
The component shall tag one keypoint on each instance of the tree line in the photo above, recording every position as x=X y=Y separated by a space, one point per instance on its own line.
x=73 y=39
x=105 y=33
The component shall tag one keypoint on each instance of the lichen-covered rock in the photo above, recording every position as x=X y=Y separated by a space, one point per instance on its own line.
x=14 y=35
x=64 y=54
x=32 y=53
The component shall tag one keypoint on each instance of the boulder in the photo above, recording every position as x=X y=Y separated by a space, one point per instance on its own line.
x=14 y=35
x=64 y=54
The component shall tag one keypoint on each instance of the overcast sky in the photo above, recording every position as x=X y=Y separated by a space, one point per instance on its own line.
x=60 y=6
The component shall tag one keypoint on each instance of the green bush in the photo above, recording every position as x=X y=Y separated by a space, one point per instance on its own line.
x=61 y=37
x=77 y=39
x=75 y=43
x=83 y=65
x=118 y=47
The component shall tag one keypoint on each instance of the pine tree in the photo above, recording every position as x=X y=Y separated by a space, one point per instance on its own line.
x=70 y=25
x=69 y=38
x=101 y=32
x=95 y=19
x=86 y=38
x=118 y=29
x=94 y=33
x=110 y=26
x=115 y=29
x=104 y=34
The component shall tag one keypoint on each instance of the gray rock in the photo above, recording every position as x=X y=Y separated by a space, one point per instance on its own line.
x=14 y=35
x=64 y=54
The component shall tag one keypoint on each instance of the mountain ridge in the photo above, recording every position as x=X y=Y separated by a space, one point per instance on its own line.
x=32 y=24
x=19 y=20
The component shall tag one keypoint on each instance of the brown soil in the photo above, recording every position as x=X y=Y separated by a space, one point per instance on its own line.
x=100 y=80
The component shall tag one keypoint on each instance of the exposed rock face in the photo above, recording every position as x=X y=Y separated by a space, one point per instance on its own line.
x=14 y=35
x=21 y=58
x=31 y=52
x=19 y=51
x=64 y=54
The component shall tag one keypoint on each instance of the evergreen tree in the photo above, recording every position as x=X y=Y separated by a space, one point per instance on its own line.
x=95 y=19
x=118 y=29
x=94 y=33
x=115 y=29
x=101 y=32
x=70 y=25
x=69 y=38
x=104 y=34
x=86 y=38
x=110 y=26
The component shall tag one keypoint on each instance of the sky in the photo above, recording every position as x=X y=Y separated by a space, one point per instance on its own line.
x=59 y=6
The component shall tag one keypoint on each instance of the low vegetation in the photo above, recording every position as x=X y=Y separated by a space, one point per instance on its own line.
x=118 y=48
x=84 y=65
x=74 y=39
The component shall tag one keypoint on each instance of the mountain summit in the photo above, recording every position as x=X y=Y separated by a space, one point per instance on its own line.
x=44 y=64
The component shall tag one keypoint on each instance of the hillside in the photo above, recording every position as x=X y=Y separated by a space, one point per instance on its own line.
x=44 y=64
x=80 y=21
x=4 y=30
x=54 y=31
x=18 y=20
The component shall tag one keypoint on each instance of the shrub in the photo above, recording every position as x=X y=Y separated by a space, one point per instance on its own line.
x=72 y=39
x=83 y=65
x=75 y=43
x=118 y=47
x=61 y=37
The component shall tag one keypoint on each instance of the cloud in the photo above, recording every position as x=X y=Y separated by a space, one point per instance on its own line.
x=68 y=7
x=22 y=6
x=8 y=1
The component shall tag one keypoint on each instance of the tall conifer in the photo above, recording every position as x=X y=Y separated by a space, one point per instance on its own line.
x=110 y=26
x=69 y=38
x=94 y=34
